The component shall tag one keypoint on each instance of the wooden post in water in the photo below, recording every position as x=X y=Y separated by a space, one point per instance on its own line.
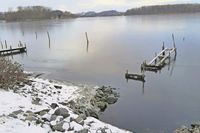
x=6 y=44
x=36 y=35
x=87 y=48
x=163 y=47
x=1 y=45
x=49 y=39
x=174 y=44
x=126 y=76
x=87 y=37
x=156 y=58
x=173 y=41
x=20 y=44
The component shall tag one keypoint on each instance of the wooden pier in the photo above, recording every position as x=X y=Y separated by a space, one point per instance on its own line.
x=159 y=61
x=156 y=64
x=12 y=51
x=139 y=77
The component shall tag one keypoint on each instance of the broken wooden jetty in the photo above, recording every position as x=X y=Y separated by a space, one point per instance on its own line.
x=156 y=64
x=12 y=51
x=159 y=61
x=139 y=77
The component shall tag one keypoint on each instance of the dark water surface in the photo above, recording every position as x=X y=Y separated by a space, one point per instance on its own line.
x=169 y=99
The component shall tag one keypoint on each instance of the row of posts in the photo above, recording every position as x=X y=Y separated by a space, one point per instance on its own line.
x=6 y=46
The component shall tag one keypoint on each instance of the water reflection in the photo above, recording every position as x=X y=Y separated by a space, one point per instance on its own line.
x=49 y=39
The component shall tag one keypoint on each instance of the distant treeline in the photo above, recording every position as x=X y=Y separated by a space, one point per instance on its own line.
x=164 y=9
x=34 y=13
x=40 y=12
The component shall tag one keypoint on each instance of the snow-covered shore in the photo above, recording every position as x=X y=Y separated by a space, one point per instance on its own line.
x=47 y=106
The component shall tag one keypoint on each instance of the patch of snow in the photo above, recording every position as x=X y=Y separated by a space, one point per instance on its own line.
x=48 y=93
x=10 y=125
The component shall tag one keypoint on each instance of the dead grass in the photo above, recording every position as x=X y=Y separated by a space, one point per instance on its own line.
x=11 y=73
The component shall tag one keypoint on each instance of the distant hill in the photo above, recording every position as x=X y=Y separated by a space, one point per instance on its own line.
x=109 y=13
x=100 y=14
x=164 y=9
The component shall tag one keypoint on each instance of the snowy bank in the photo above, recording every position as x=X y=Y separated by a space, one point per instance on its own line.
x=48 y=106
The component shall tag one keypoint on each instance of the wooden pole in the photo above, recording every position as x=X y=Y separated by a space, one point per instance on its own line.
x=126 y=76
x=155 y=58
x=87 y=47
x=86 y=37
x=6 y=44
x=173 y=41
x=20 y=44
x=143 y=87
x=49 y=39
x=36 y=35
x=1 y=45
x=163 y=47
x=174 y=44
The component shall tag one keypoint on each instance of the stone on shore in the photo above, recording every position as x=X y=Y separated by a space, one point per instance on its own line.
x=58 y=127
x=62 y=112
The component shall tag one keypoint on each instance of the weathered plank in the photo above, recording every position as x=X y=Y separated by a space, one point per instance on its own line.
x=139 y=77
x=11 y=51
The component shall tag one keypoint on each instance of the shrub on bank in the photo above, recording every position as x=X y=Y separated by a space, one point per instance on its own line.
x=11 y=73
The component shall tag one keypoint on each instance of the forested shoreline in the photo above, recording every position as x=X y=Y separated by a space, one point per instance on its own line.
x=41 y=12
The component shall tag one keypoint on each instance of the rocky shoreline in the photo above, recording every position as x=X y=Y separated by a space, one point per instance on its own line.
x=52 y=106
x=195 y=128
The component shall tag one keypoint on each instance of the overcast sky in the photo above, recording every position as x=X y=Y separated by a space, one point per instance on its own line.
x=76 y=6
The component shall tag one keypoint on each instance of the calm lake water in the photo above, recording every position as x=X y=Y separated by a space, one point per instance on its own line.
x=169 y=98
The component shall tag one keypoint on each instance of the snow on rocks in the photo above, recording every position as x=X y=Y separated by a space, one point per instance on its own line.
x=195 y=128
x=46 y=106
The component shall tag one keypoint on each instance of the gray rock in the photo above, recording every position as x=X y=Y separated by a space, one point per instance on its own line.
x=101 y=105
x=92 y=113
x=111 y=99
x=63 y=103
x=197 y=125
x=38 y=121
x=62 y=112
x=53 y=117
x=31 y=118
x=58 y=87
x=83 y=131
x=54 y=105
x=183 y=129
x=36 y=101
x=12 y=115
x=71 y=103
x=79 y=120
x=196 y=130
x=83 y=116
x=70 y=129
x=45 y=119
x=18 y=112
x=58 y=127
x=29 y=113
x=42 y=112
